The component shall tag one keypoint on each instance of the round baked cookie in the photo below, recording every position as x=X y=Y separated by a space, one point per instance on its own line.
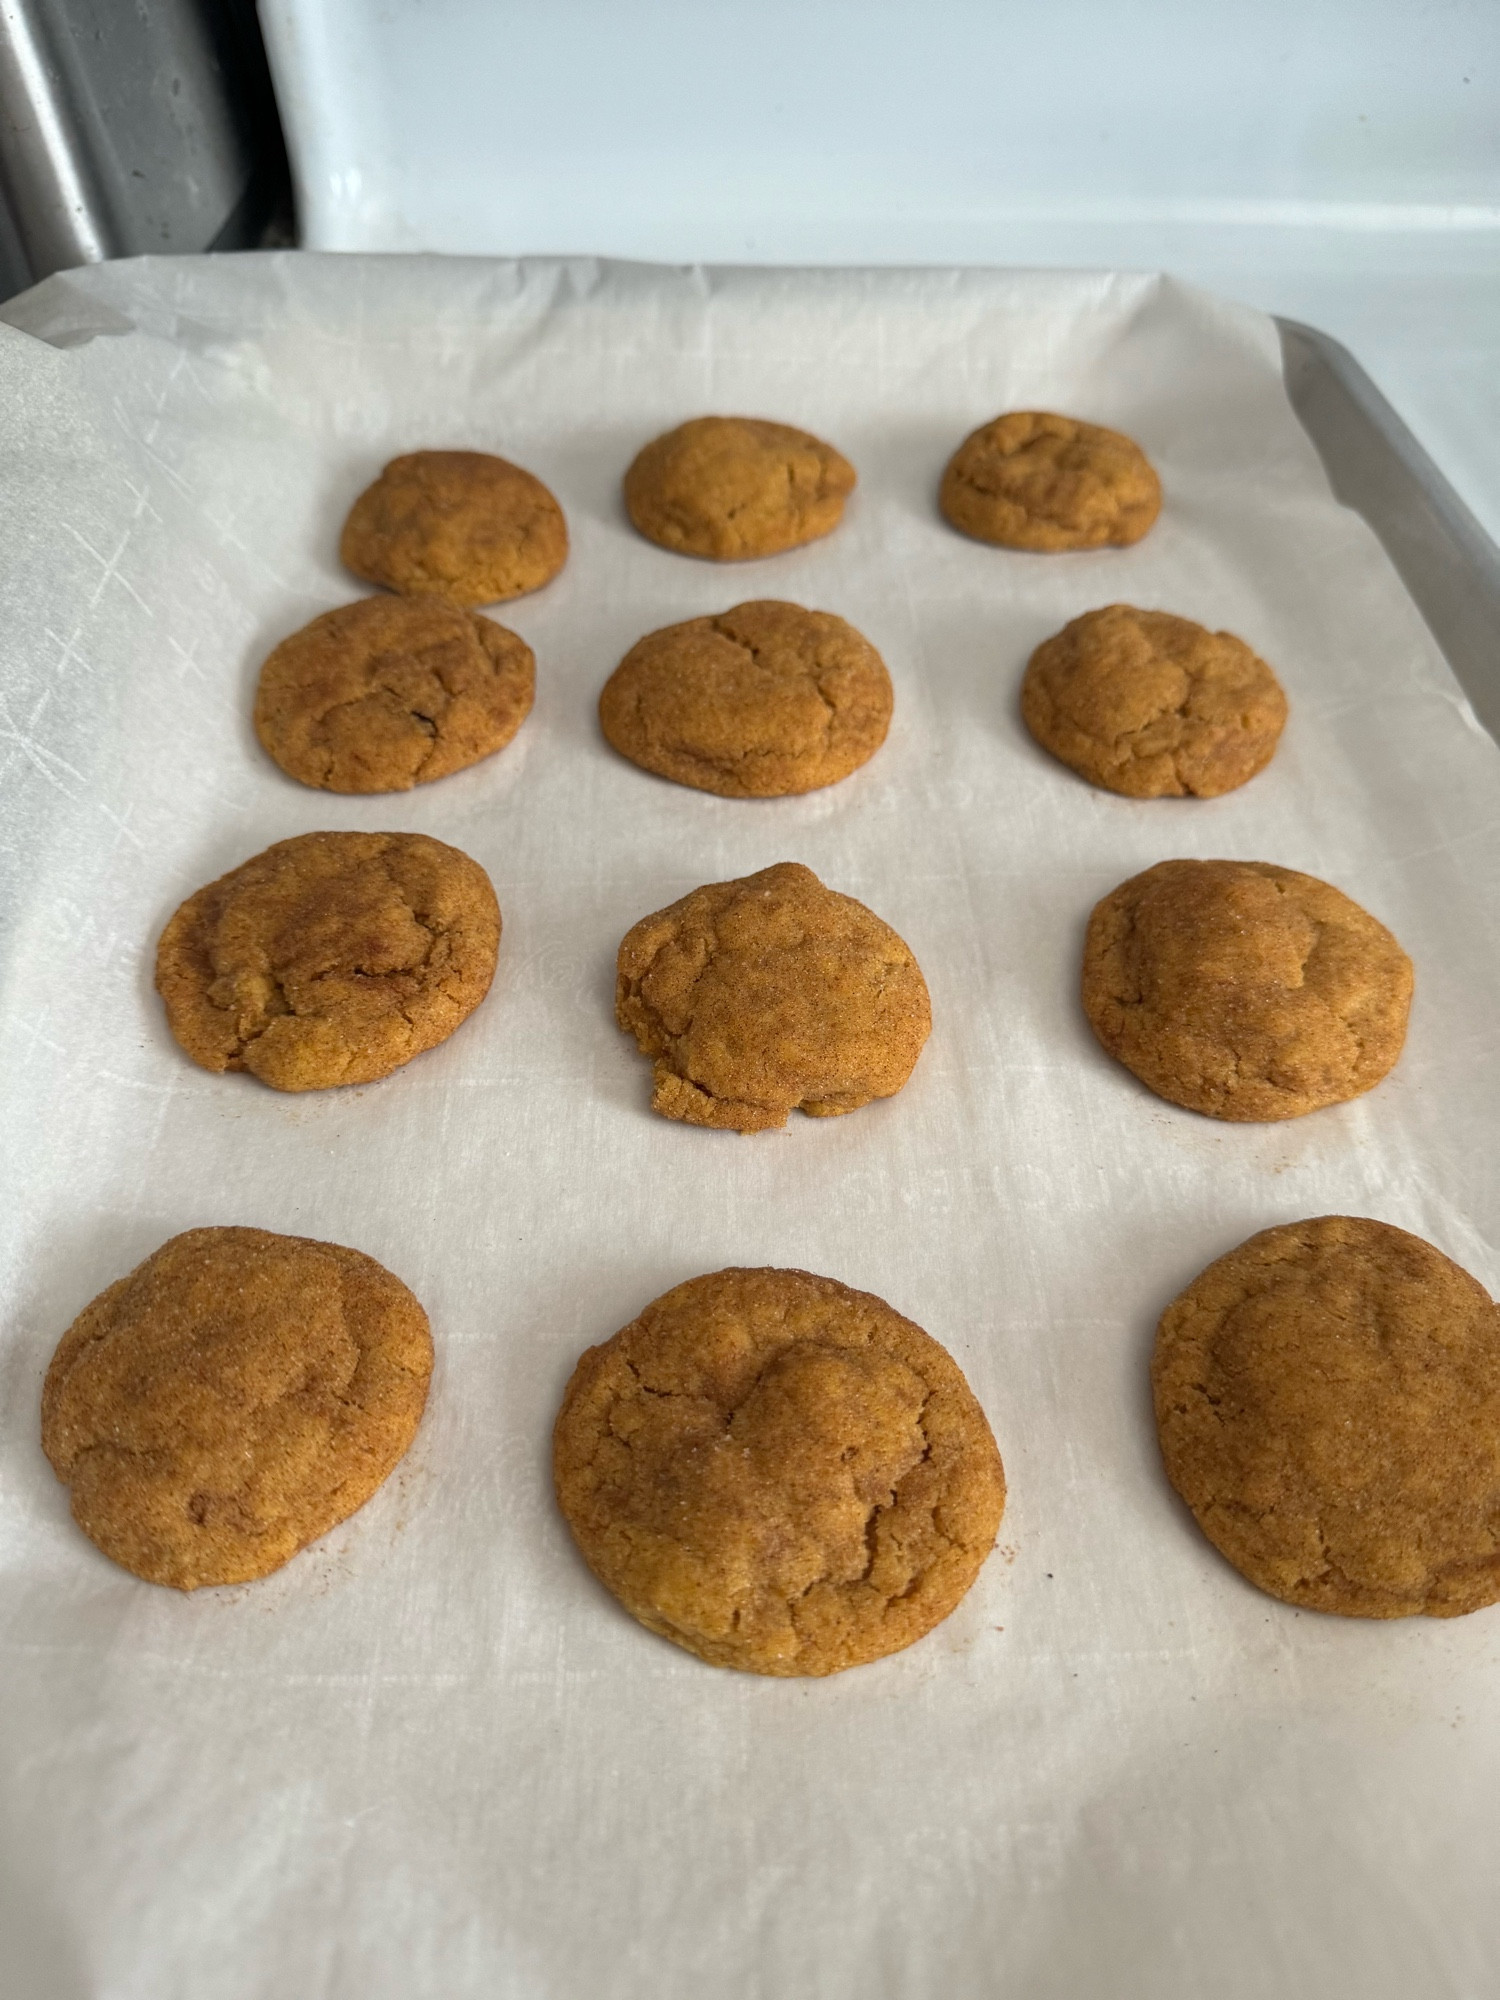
x=778 y=1473
x=392 y=692
x=760 y=701
x=1328 y=1402
x=1153 y=706
x=767 y=995
x=234 y=1398
x=331 y=958
x=461 y=524
x=733 y=488
x=1032 y=480
x=1244 y=990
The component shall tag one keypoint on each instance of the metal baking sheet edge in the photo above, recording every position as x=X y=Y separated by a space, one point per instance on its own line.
x=1375 y=465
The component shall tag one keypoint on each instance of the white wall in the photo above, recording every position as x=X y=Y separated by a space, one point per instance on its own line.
x=867 y=130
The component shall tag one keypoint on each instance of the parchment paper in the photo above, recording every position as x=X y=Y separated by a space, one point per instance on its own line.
x=431 y=1756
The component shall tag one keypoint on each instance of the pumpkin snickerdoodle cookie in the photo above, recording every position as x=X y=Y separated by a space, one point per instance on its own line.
x=392 y=692
x=331 y=958
x=1328 y=1403
x=778 y=1473
x=231 y=1400
x=734 y=488
x=760 y=701
x=770 y=994
x=1032 y=480
x=1244 y=990
x=462 y=524
x=1153 y=706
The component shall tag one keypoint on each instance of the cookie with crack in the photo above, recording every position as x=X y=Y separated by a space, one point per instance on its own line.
x=768 y=995
x=231 y=1400
x=734 y=488
x=1153 y=706
x=331 y=958
x=778 y=1473
x=757 y=702
x=1033 y=480
x=1244 y=990
x=462 y=524
x=1328 y=1404
x=392 y=692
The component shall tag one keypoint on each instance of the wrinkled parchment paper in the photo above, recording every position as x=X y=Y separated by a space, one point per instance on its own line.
x=432 y=1757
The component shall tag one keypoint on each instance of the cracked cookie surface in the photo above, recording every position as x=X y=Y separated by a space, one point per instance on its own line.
x=1328 y=1402
x=734 y=488
x=231 y=1400
x=757 y=702
x=331 y=958
x=1033 y=480
x=392 y=692
x=1151 y=705
x=463 y=524
x=1244 y=990
x=778 y=1473
x=770 y=994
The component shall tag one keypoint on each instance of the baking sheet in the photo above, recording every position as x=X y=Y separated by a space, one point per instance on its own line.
x=431 y=1755
x=1441 y=552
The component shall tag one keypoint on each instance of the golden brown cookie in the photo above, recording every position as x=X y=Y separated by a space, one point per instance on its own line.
x=1031 y=480
x=1244 y=990
x=732 y=488
x=392 y=692
x=331 y=958
x=1153 y=706
x=234 y=1398
x=461 y=524
x=769 y=995
x=760 y=701
x=778 y=1473
x=1328 y=1401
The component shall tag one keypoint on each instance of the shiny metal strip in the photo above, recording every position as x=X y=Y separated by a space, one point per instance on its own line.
x=1444 y=557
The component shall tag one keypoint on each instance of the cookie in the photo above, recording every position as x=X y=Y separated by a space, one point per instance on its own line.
x=331 y=958
x=1031 y=480
x=1328 y=1402
x=459 y=524
x=767 y=995
x=1153 y=706
x=758 y=702
x=234 y=1398
x=1244 y=990
x=778 y=1473
x=392 y=692
x=733 y=488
